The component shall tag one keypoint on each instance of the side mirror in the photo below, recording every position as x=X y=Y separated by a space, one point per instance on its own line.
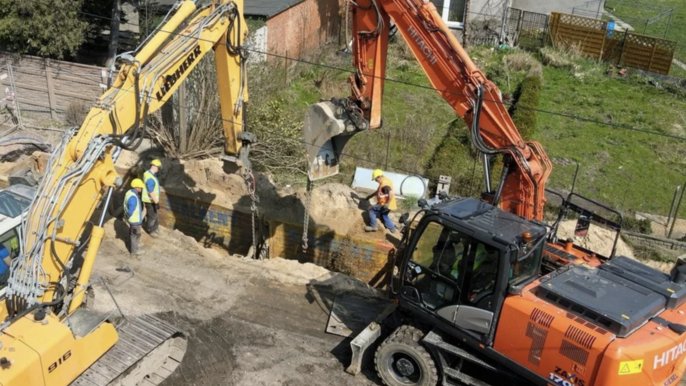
x=403 y=218
x=514 y=290
x=442 y=195
x=422 y=203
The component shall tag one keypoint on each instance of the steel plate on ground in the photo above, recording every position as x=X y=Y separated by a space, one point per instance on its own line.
x=352 y=312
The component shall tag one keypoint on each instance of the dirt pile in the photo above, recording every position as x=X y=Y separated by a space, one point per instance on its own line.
x=334 y=206
x=598 y=239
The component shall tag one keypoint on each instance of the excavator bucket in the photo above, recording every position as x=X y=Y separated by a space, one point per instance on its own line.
x=326 y=132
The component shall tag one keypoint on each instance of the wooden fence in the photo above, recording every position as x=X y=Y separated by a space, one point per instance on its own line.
x=47 y=86
x=621 y=48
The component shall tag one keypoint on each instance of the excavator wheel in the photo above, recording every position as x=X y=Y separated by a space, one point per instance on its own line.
x=401 y=360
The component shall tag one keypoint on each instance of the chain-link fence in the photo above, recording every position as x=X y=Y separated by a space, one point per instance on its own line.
x=515 y=27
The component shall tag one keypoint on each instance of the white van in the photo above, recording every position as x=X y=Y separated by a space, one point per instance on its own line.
x=14 y=201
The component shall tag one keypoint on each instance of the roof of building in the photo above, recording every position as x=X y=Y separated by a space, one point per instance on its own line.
x=268 y=8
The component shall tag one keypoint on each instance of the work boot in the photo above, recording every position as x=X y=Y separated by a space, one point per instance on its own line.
x=370 y=229
x=154 y=234
x=138 y=253
x=392 y=230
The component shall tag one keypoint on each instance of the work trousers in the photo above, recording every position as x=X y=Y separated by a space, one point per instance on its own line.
x=377 y=210
x=135 y=233
x=151 y=220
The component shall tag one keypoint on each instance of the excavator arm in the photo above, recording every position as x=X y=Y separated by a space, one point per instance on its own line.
x=329 y=125
x=46 y=282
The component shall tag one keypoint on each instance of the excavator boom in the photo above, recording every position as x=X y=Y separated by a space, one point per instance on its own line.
x=451 y=72
x=51 y=338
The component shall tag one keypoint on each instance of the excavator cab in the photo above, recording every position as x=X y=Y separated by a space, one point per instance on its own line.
x=461 y=260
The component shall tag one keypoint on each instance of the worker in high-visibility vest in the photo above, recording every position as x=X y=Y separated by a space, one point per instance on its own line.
x=385 y=203
x=481 y=255
x=5 y=264
x=135 y=212
x=151 y=197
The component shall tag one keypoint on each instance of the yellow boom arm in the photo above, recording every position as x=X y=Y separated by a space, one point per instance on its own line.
x=45 y=278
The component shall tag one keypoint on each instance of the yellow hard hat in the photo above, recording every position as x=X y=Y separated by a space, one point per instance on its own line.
x=156 y=162
x=376 y=174
x=137 y=183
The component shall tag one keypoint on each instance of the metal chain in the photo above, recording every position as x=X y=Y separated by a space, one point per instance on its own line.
x=252 y=187
x=306 y=220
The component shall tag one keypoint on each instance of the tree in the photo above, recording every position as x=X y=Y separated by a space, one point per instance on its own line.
x=49 y=28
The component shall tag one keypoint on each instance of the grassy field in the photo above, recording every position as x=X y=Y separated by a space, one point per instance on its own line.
x=631 y=170
x=637 y=12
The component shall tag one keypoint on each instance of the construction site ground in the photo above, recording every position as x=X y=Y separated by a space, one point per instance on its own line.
x=247 y=322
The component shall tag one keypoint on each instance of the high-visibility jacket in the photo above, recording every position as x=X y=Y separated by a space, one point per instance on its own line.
x=14 y=244
x=480 y=258
x=383 y=198
x=135 y=216
x=150 y=176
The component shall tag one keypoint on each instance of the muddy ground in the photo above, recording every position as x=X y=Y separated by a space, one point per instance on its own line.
x=247 y=322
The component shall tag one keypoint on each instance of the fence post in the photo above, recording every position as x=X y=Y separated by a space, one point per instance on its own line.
x=544 y=38
x=621 y=53
x=51 y=90
x=652 y=56
x=671 y=208
x=602 y=46
x=676 y=213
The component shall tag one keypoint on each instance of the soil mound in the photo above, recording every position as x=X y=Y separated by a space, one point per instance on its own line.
x=598 y=239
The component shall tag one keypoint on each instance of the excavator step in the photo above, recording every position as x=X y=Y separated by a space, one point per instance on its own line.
x=435 y=340
x=147 y=352
x=462 y=378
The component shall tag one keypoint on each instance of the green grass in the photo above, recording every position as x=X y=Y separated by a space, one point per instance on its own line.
x=633 y=13
x=627 y=169
x=630 y=170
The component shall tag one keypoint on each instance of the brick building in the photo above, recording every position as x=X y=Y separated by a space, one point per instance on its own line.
x=296 y=28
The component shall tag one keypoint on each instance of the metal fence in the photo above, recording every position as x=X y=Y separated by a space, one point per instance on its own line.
x=515 y=28
x=527 y=29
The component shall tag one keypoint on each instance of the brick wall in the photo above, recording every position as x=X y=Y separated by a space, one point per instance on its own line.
x=213 y=225
x=366 y=259
x=210 y=224
x=301 y=29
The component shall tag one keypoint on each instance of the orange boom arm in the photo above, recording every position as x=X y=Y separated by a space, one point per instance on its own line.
x=454 y=76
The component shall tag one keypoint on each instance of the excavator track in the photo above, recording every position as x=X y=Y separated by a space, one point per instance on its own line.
x=147 y=352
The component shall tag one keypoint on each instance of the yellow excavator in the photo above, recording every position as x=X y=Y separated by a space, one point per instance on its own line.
x=47 y=336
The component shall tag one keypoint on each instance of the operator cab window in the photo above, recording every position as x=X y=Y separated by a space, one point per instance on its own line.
x=437 y=265
x=12 y=205
x=528 y=263
x=484 y=272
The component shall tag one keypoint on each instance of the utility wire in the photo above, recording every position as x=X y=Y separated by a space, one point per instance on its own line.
x=340 y=69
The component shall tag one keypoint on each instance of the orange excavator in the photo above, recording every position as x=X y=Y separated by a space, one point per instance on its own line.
x=485 y=293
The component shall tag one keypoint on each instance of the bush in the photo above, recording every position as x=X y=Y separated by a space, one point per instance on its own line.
x=526 y=101
x=410 y=202
x=456 y=157
x=76 y=113
x=523 y=62
x=633 y=224
x=560 y=57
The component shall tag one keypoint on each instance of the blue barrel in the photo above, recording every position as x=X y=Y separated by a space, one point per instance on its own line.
x=610 y=27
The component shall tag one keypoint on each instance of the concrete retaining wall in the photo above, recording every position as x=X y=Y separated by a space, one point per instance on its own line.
x=652 y=241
